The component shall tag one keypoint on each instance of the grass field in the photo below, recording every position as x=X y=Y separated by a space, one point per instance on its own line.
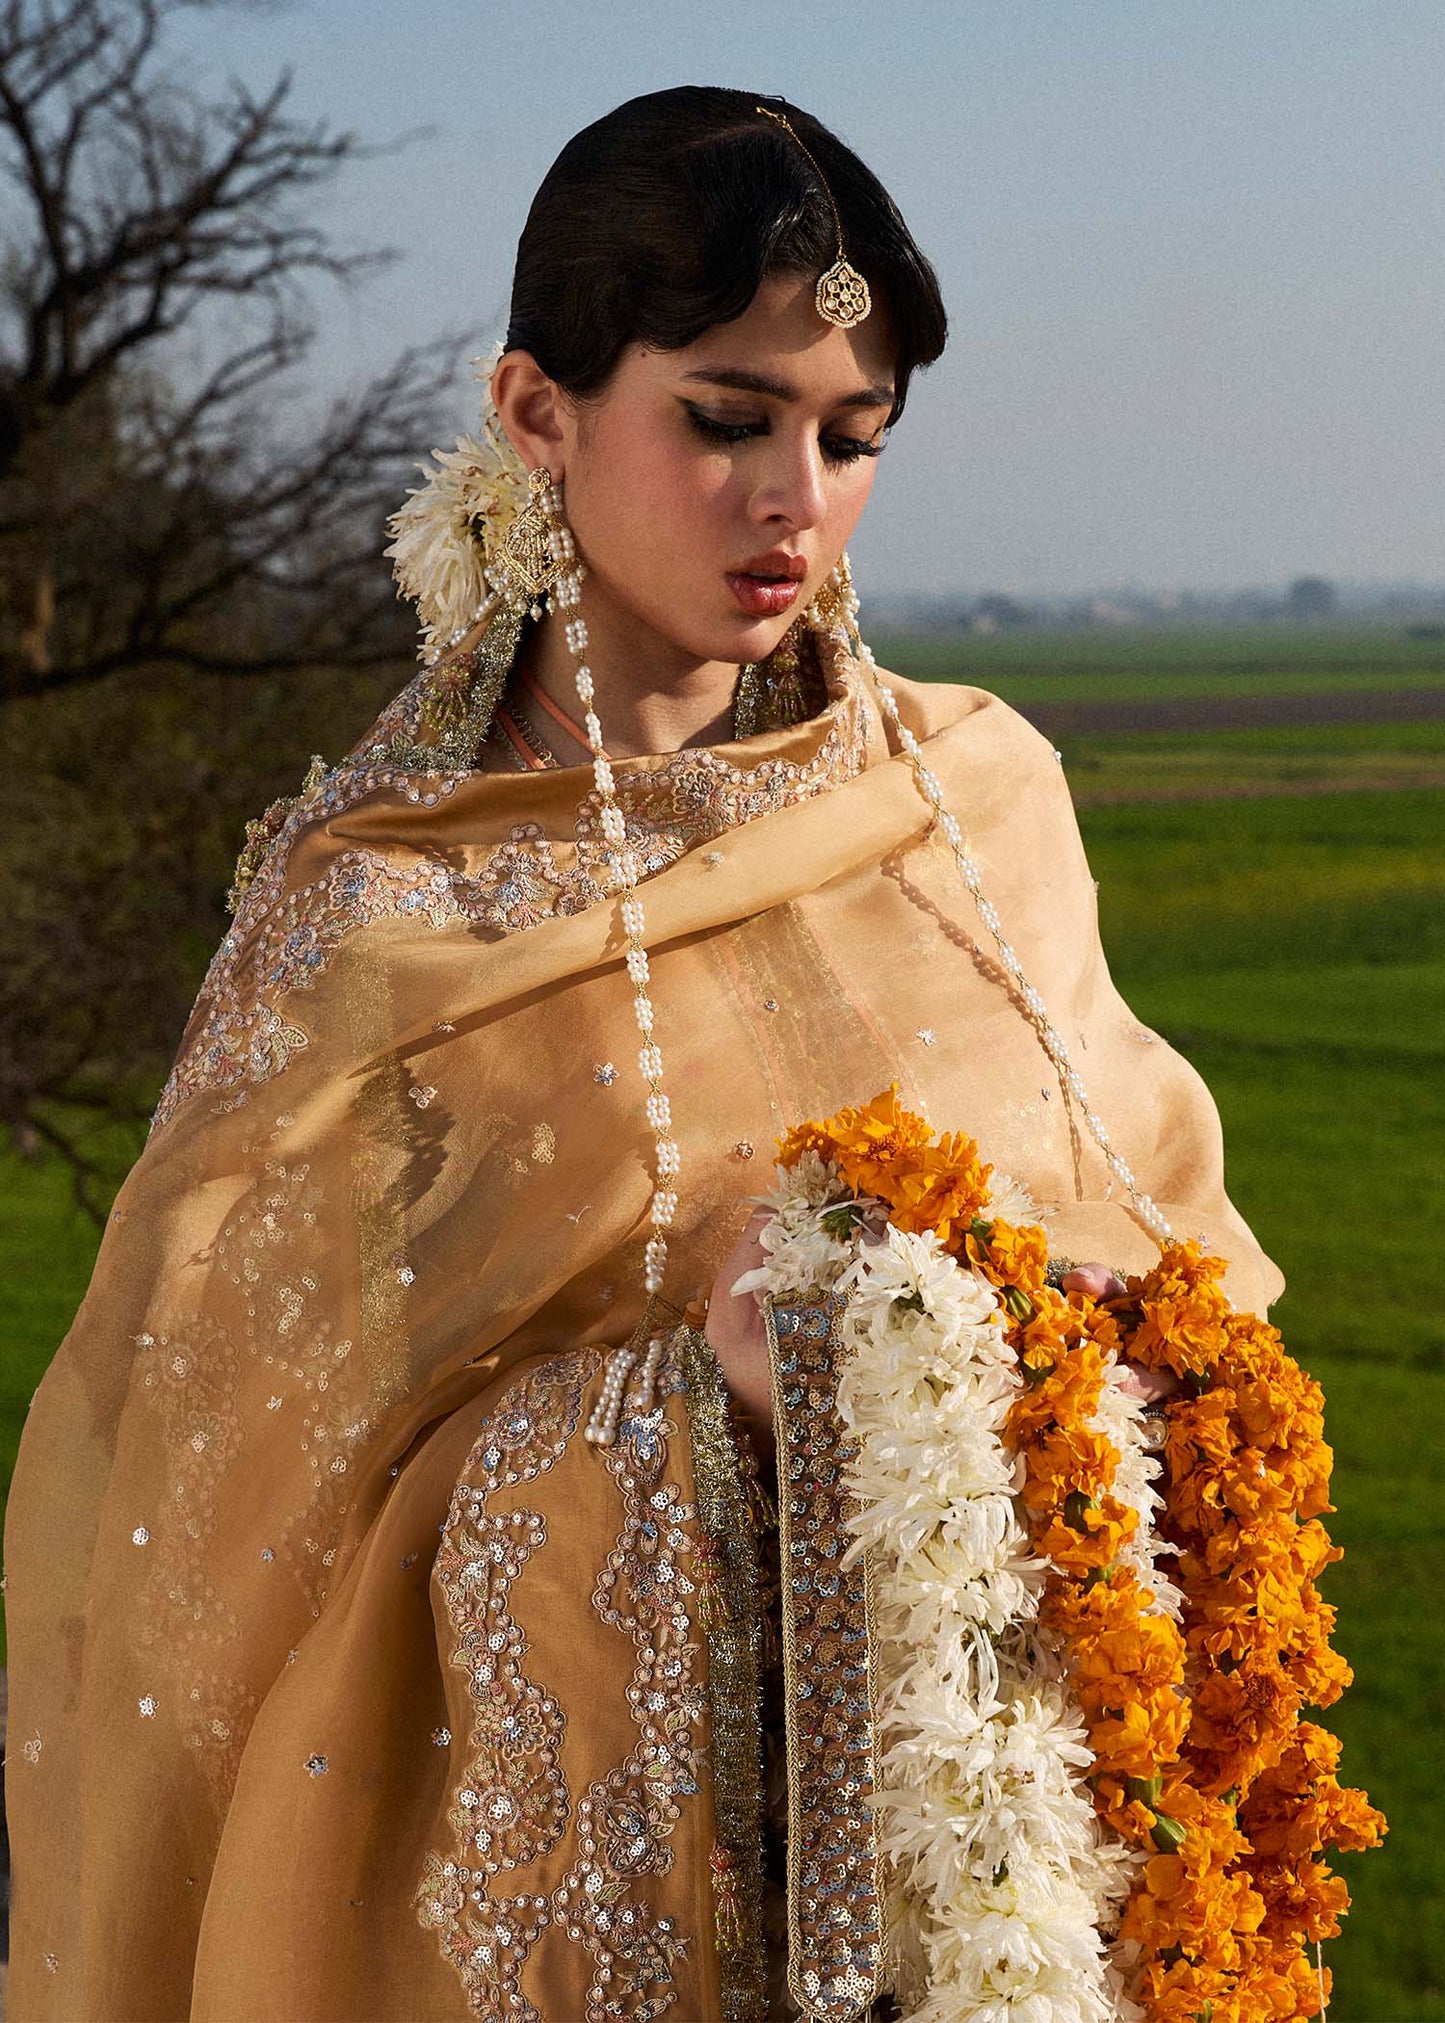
x=1298 y=958
x=1121 y=665
x=1292 y=944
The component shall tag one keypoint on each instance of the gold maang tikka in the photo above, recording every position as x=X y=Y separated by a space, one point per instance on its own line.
x=843 y=296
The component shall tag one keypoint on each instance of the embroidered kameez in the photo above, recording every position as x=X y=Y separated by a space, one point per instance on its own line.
x=348 y=1679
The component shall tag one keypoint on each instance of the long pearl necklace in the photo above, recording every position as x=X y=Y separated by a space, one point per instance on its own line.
x=617 y=1392
x=667 y=1163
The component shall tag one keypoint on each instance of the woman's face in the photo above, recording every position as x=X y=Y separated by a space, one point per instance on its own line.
x=711 y=490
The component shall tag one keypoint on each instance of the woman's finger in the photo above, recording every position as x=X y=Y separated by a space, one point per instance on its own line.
x=1094 y=1279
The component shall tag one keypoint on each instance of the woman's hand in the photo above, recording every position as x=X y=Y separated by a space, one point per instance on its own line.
x=739 y=1338
x=1100 y=1283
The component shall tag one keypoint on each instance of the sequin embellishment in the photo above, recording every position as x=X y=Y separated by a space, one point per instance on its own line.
x=625 y=1820
x=834 y=1921
x=512 y=1802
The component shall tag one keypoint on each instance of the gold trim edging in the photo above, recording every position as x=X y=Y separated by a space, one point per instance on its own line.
x=734 y=1636
x=830 y=1691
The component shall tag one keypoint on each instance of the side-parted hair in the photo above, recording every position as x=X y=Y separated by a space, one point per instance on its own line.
x=663 y=218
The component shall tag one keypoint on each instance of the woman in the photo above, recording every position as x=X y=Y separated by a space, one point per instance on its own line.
x=380 y=1641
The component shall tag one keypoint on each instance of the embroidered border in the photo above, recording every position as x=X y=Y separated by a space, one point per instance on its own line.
x=834 y=1897
x=728 y=1610
x=625 y=1821
x=512 y=1804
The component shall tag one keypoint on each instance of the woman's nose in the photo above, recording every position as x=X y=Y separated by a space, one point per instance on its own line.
x=793 y=488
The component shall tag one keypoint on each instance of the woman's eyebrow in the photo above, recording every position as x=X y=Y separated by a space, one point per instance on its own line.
x=739 y=381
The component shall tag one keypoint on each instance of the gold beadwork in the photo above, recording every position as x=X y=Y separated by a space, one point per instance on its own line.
x=730 y=1621
x=842 y=296
x=836 y=598
x=528 y=562
x=835 y=1936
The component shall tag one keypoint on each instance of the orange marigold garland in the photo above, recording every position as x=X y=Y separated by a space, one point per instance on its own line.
x=1201 y=1757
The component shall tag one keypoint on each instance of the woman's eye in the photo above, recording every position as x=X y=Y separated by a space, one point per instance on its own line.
x=838 y=449
x=848 y=449
x=718 y=431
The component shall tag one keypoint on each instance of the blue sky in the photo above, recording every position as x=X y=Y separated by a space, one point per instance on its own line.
x=1192 y=252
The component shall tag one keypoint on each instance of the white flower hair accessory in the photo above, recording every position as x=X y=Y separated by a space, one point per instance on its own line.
x=451 y=524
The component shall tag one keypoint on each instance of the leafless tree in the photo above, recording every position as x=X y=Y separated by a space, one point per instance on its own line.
x=145 y=517
x=177 y=509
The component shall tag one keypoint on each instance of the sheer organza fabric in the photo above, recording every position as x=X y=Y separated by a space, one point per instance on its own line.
x=402 y=1171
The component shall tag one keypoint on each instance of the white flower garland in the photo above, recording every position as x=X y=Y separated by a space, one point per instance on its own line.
x=1002 y=1885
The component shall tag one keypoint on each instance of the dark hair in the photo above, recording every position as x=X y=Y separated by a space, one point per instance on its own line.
x=663 y=218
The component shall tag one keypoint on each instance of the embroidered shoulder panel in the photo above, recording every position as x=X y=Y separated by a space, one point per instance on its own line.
x=243 y=1031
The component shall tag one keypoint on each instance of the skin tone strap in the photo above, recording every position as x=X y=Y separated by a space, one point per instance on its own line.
x=558 y=715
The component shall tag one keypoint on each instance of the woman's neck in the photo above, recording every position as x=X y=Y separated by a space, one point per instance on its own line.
x=644 y=708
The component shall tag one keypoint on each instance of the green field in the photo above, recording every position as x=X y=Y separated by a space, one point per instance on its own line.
x=1121 y=665
x=1292 y=944
x=1298 y=958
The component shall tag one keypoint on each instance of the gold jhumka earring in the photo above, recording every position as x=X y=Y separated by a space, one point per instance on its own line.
x=843 y=296
x=530 y=558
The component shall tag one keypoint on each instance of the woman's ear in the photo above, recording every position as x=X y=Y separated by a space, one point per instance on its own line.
x=530 y=408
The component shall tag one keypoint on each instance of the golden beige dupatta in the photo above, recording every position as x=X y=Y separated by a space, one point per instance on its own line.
x=317 y=1596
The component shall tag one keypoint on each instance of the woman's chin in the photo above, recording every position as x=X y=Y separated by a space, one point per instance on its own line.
x=753 y=639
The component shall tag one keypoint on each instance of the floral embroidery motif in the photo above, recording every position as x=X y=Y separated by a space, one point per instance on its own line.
x=626 y=1819
x=188 y=1375
x=280 y=945
x=192 y=1372
x=512 y=1803
x=290 y=1328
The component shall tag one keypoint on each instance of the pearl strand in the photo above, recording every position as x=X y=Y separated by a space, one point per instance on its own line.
x=483 y=611
x=601 y=1428
x=1051 y=1038
x=667 y=1159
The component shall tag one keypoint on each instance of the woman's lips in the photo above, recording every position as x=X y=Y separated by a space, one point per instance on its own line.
x=762 y=596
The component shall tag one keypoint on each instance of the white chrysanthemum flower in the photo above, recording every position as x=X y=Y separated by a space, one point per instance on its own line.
x=805 y=1244
x=999 y=1881
x=442 y=535
x=811 y=1182
x=1012 y=1202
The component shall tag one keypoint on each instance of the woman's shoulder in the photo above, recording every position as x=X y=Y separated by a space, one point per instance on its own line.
x=933 y=707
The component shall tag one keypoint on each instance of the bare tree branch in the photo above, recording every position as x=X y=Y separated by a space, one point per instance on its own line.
x=190 y=542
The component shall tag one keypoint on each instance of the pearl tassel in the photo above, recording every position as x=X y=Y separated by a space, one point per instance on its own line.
x=601 y=1428
x=642 y=1391
x=438 y=647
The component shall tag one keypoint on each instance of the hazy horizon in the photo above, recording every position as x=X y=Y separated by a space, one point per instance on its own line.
x=1195 y=338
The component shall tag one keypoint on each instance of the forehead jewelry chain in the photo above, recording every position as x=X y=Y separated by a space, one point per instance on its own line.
x=842 y=297
x=566 y=592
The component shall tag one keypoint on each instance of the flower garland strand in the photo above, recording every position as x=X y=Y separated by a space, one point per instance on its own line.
x=1200 y=1761
x=1000 y=1884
